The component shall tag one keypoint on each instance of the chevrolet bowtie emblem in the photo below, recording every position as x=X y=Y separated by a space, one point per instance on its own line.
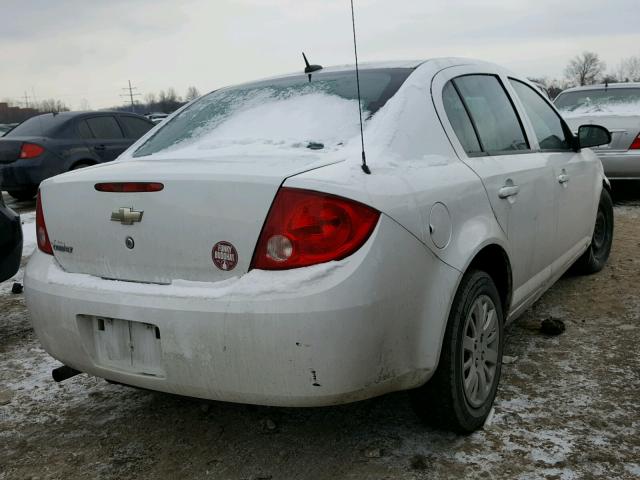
x=126 y=216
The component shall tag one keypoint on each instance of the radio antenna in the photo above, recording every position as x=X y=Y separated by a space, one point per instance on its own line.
x=365 y=167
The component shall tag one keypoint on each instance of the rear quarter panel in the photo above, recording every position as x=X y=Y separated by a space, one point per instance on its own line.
x=414 y=167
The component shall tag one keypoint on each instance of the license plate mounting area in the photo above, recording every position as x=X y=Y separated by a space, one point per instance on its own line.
x=133 y=347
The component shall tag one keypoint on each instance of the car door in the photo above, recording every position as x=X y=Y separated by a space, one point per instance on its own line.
x=574 y=174
x=489 y=136
x=108 y=139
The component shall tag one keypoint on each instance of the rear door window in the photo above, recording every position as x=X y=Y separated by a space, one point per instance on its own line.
x=460 y=121
x=493 y=114
x=135 y=127
x=105 y=127
x=39 y=126
x=83 y=130
x=547 y=124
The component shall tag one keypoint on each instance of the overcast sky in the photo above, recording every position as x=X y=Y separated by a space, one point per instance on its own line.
x=77 y=49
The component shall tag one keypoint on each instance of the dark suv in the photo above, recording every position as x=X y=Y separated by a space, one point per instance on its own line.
x=53 y=143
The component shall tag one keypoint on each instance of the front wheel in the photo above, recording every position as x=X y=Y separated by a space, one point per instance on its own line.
x=596 y=256
x=460 y=394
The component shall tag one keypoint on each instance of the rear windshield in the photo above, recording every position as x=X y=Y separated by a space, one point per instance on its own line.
x=610 y=99
x=288 y=112
x=40 y=126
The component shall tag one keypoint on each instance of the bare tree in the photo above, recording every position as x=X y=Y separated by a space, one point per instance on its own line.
x=585 y=69
x=629 y=69
x=52 y=106
x=172 y=96
x=150 y=98
x=162 y=103
x=553 y=85
x=168 y=101
x=192 y=94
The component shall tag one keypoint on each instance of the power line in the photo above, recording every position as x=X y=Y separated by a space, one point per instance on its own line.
x=130 y=95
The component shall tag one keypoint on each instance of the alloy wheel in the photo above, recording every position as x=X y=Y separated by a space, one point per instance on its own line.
x=480 y=350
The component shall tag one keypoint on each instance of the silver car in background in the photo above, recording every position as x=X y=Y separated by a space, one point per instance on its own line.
x=616 y=107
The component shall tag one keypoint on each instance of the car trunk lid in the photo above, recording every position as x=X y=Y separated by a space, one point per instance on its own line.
x=10 y=149
x=202 y=226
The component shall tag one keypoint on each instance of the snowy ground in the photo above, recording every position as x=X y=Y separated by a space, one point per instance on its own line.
x=568 y=406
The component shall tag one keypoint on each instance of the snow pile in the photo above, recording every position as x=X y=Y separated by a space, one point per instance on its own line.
x=268 y=119
x=604 y=109
x=29 y=241
x=252 y=284
x=256 y=124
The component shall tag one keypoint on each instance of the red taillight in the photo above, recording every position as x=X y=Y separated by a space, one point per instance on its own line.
x=129 y=187
x=306 y=228
x=31 y=150
x=636 y=144
x=41 y=229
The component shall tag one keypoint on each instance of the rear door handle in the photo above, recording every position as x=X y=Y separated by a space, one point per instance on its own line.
x=99 y=147
x=563 y=178
x=508 y=191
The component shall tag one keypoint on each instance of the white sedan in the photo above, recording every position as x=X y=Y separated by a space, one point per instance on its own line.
x=239 y=252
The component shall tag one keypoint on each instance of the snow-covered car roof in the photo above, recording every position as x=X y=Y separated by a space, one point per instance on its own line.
x=603 y=86
x=438 y=63
x=343 y=68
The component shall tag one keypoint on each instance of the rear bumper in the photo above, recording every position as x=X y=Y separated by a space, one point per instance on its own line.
x=10 y=243
x=331 y=334
x=621 y=165
x=25 y=174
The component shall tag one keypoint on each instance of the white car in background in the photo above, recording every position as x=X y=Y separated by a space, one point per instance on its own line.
x=615 y=106
x=157 y=117
x=240 y=253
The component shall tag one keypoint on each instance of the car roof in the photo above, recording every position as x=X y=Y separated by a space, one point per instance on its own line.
x=52 y=123
x=603 y=86
x=341 y=68
x=71 y=115
x=438 y=63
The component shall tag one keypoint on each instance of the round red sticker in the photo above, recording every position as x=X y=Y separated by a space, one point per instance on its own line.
x=225 y=256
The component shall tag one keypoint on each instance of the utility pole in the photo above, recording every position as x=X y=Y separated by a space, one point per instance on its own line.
x=130 y=95
x=33 y=96
x=26 y=100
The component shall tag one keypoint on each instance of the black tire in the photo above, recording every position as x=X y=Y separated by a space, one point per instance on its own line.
x=596 y=256
x=23 y=195
x=443 y=402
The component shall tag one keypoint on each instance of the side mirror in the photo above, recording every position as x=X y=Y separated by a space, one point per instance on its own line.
x=593 y=136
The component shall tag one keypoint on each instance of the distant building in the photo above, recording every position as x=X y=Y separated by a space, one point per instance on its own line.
x=15 y=114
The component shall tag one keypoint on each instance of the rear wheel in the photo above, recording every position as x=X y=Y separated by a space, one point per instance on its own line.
x=596 y=256
x=460 y=394
x=78 y=166
x=23 y=195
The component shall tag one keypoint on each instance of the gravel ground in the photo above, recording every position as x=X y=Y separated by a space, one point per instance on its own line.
x=568 y=406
